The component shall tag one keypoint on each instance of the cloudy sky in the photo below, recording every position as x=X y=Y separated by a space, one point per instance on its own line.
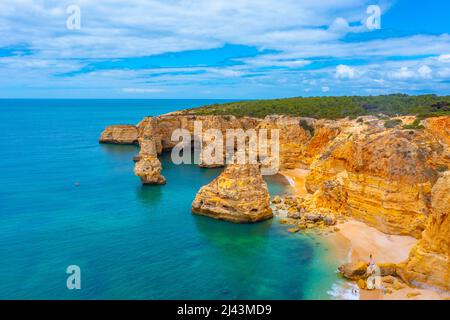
x=222 y=48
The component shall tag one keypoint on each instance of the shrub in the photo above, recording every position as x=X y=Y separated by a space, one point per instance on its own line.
x=423 y=106
x=392 y=123
x=414 y=126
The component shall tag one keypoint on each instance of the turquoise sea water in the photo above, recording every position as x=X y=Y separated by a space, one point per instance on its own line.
x=67 y=200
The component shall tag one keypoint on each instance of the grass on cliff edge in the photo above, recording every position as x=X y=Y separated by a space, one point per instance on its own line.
x=423 y=106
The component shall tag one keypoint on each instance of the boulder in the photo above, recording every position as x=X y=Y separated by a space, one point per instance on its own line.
x=239 y=194
x=354 y=271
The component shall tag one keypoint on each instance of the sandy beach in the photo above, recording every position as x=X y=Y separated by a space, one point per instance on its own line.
x=365 y=240
x=297 y=179
x=355 y=241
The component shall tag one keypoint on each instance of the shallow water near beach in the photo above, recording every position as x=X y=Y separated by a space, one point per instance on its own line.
x=67 y=200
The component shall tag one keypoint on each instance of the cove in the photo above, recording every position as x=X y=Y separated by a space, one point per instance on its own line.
x=66 y=200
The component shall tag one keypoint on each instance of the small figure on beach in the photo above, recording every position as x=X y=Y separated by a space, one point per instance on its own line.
x=374 y=272
x=371 y=261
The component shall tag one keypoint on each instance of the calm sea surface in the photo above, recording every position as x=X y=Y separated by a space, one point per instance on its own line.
x=67 y=200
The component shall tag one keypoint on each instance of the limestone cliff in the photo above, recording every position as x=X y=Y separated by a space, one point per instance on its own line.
x=380 y=176
x=384 y=176
x=429 y=261
x=148 y=167
x=120 y=134
x=239 y=194
x=293 y=139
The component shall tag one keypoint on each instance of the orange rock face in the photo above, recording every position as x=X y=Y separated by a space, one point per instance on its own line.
x=148 y=167
x=392 y=179
x=429 y=261
x=292 y=138
x=381 y=177
x=440 y=128
x=120 y=134
x=324 y=133
x=239 y=194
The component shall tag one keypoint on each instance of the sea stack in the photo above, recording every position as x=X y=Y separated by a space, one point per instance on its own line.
x=238 y=195
x=148 y=167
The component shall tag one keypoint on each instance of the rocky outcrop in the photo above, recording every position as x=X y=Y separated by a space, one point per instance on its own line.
x=148 y=167
x=378 y=176
x=120 y=134
x=239 y=194
x=292 y=208
x=440 y=128
x=429 y=261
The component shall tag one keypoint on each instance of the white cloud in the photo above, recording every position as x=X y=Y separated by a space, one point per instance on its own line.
x=272 y=60
x=402 y=74
x=425 y=72
x=444 y=58
x=340 y=25
x=406 y=73
x=301 y=32
x=444 y=73
x=345 y=72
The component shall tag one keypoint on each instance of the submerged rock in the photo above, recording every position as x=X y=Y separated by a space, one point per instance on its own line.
x=239 y=194
x=120 y=134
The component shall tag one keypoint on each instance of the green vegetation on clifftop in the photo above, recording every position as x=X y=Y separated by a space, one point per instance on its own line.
x=422 y=106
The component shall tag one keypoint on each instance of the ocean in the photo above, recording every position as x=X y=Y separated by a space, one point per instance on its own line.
x=67 y=200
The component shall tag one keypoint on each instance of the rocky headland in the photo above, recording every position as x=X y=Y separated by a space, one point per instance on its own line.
x=389 y=174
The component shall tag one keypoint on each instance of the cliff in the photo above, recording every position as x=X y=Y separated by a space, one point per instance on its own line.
x=380 y=176
x=429 y=261
x=239 y=194
x=374 y=170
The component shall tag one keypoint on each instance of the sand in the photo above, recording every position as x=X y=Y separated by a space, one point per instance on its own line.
x=355 y=241
x=366 y=240
x=297 y=179
x=363 y=240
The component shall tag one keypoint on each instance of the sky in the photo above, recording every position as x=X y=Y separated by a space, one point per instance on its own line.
x=243 y=49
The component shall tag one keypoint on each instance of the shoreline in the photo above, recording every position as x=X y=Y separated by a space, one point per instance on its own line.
x=355 y=241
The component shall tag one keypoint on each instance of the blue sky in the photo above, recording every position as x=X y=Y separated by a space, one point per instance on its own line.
x=222 y=49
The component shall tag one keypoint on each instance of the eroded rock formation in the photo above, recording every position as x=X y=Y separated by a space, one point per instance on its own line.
x=239 y=194
x=390 y=178
x=120 y=134
x=380 y=176
x=429 y=261
x=148 y=167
